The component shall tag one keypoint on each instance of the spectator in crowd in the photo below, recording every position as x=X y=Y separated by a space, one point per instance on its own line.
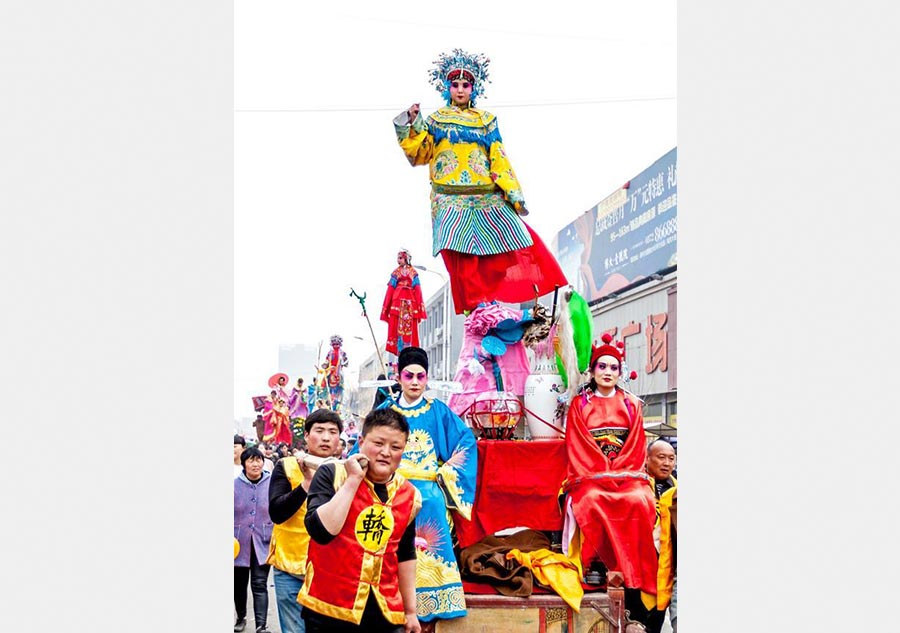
x=384 y=393
x=361 y=570
x=260 y=425
x=660 y=465
x=268 y=456
x=252 y=529
x=287 y=506
x=239 y=445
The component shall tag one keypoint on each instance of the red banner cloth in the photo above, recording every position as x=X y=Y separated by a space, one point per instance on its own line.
x=518 y=483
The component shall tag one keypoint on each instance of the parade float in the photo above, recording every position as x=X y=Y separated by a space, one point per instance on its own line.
x=518 y=546
x=517 y=373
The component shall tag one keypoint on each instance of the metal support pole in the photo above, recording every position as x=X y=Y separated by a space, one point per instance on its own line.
x=446 y=332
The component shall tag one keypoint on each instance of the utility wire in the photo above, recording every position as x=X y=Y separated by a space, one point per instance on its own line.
x=493 y=106
x=566 y=35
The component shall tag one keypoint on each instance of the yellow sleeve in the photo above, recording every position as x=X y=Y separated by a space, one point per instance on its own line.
x=501 y=170
x=503 y=175
x=418 y=146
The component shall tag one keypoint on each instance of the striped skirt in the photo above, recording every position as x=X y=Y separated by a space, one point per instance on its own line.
x=475 y=223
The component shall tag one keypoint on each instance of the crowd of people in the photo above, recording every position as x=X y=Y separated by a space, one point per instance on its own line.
x=360 y=537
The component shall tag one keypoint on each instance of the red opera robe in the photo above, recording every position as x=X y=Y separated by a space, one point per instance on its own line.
x=403 y=308
x=278 y=425
x=613 y=506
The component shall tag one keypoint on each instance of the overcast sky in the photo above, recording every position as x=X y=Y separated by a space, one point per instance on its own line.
x=585 y=98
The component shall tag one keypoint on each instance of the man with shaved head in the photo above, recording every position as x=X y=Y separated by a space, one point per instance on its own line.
x=660 y=465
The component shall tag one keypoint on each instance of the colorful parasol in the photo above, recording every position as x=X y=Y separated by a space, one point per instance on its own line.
x=278 y=379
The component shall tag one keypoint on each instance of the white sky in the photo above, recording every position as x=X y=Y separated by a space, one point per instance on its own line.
x=323 y=195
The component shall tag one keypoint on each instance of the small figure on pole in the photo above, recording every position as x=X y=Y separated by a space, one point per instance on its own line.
x=334 y=372
x=403 y=307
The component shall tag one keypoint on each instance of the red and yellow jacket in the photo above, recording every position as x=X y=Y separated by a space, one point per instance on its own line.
x=363 y=556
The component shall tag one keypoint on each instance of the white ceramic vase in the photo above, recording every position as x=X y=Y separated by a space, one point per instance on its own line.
x=541 y=391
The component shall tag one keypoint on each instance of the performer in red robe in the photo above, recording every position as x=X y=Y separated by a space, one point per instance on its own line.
x=334 y=365
x=403 y=306
x=610 y=508
x=278 y=421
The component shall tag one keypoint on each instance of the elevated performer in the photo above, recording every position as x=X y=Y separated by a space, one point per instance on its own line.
x=476 y=201
x=403 y=307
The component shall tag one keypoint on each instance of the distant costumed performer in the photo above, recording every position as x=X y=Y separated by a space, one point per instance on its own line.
x=335 y=362
x=277 y=414
x=297 y=401
x=490 y=253
x=403 y=306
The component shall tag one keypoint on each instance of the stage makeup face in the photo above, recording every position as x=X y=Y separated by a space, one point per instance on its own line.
x=460 y=92
x=606 y=374
x=413 y=380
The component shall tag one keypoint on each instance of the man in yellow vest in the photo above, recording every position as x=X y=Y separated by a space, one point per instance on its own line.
x=660 y=465
x=287 y=508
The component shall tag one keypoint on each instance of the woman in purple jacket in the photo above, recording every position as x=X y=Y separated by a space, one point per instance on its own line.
x=253 y=530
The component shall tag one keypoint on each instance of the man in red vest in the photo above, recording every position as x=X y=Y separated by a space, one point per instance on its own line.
x=361 y=567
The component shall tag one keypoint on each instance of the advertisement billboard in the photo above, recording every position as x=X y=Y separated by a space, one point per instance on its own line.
x=629 y=235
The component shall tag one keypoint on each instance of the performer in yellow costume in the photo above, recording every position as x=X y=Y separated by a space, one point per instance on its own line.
x=476 y=200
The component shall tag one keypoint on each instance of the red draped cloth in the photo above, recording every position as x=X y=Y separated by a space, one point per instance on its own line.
x=517 y=486
x=507 y=277
x=613 y=503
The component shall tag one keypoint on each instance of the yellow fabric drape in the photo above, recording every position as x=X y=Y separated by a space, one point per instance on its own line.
x=555 y=571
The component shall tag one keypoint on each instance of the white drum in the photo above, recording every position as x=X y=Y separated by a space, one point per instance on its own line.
x=541 y=391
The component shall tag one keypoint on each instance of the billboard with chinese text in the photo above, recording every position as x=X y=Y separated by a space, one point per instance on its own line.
x=645 y=324
x=629 y=235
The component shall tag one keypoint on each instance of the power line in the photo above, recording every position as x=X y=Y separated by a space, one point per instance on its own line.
x=568 y=34
x=371 y=108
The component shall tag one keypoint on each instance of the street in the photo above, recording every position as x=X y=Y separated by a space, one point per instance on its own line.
x=272 y=619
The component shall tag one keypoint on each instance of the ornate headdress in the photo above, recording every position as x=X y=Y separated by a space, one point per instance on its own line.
x=475 y=65
x=405 y=251
x=616 y=350
x=336 y=340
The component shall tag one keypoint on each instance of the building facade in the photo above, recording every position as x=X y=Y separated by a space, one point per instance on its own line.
x=621 y=256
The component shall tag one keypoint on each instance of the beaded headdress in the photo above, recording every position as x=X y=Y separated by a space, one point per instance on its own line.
x=475 y=65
